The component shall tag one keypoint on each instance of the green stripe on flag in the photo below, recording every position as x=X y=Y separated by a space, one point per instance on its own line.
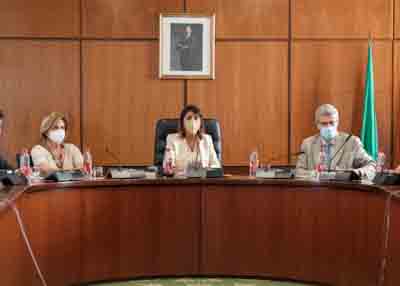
x=369 y=130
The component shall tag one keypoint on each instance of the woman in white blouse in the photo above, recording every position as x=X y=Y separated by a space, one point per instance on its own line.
x=190 y=146
x=53 y=153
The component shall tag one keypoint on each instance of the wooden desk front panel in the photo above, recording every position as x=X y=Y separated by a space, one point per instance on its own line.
x=110 y=230
x=157 y=233
x=97 y=234
x=310 y=234
x=392 y=274
x=16 y=267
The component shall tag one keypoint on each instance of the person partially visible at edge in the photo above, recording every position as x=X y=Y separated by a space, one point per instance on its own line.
x=343 y=151
x=190 y=145
x=4 y=165
x=53 y=153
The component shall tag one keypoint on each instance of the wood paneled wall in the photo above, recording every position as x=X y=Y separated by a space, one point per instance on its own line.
x=125 y=18
x=396 y=103
x=334 y=71
x=246 y=19
x=40 y=18
x=245 y=105
x=123 y=99
x=37 y=77
x=355 y=19
x=276 y=61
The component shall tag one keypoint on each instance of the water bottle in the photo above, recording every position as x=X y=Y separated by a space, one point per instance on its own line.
x=253 y=163
x=380 y=162
x=168 y=168
x=88 y=163
x=25 y=163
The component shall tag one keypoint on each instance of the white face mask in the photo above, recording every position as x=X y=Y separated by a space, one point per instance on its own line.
x=57 y=136
x=192 y=126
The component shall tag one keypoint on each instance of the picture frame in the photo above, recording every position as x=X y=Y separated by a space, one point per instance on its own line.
x=187 y=46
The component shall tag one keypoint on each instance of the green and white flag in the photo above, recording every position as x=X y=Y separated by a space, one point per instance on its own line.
x=369 y=130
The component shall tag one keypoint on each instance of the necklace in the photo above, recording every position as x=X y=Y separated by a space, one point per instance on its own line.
x=192 y=145
x=58 y=155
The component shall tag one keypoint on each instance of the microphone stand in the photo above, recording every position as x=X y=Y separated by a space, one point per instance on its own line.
x=115 y=157
x=337 y=152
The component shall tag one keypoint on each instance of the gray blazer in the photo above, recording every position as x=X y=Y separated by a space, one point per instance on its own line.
x=351 y=156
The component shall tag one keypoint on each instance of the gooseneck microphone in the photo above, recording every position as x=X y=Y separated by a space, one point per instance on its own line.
x=338 y=150
x=115 y=157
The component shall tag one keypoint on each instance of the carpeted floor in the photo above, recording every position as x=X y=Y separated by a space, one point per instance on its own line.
x=202 y=282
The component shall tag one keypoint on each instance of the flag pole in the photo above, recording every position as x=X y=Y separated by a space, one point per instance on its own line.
x=370 y=38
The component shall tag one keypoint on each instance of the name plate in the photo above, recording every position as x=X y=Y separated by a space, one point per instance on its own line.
x=387 y=178
x=124 y=173
x=66 y=175
x=274 y=173
x=196 y=173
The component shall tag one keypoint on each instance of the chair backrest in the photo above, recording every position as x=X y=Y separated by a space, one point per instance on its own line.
x=168 y=126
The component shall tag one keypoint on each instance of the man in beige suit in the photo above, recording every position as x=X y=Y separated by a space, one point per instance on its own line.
x=340 y=151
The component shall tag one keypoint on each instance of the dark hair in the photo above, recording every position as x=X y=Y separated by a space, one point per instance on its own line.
x=1 y=114
x=195 y=110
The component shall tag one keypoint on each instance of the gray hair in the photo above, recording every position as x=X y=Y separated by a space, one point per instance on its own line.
x=326 y=110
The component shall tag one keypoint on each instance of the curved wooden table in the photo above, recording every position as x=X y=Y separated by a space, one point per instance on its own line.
x=392 y=254
x=330 y=233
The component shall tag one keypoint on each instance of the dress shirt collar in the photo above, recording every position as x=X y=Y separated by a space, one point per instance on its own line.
x=331 y=142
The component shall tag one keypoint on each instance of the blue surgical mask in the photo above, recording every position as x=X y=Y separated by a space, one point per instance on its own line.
x=328 y=132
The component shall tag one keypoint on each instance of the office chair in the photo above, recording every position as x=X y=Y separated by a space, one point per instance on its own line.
x=170 y=125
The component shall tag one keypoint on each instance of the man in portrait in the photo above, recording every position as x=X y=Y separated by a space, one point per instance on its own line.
x=189 y=47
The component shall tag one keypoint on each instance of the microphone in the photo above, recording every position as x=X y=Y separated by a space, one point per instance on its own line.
x=115 y=157
x=122 y=172
x=338 y=150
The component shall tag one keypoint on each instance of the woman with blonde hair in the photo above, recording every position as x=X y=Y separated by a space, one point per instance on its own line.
x=53 y=153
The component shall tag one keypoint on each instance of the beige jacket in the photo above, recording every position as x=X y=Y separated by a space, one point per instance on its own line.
x=73 y=157
x=181 y=155
x=351 y=156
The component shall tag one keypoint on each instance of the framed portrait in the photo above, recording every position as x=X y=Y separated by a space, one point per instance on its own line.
x=187 y=46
